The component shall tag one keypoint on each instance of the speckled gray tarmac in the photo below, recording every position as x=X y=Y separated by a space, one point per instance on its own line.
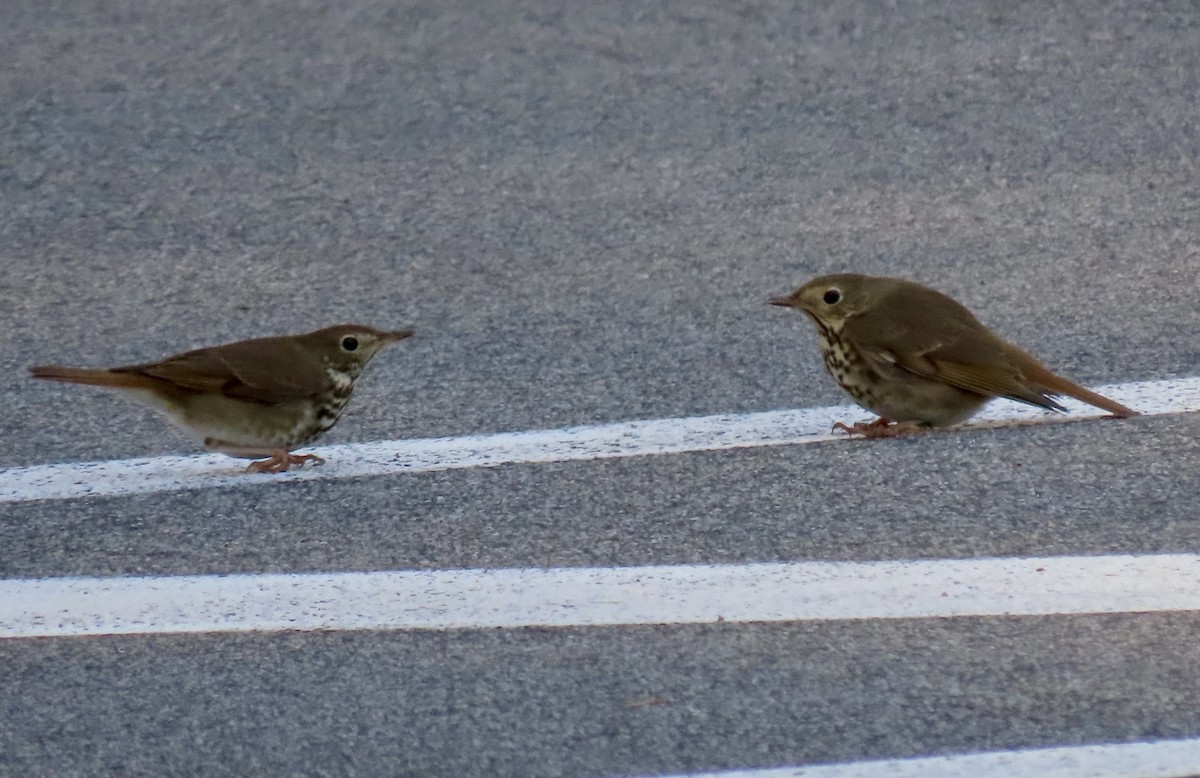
x=1079 y=488
x=601 y=702
x=581 y=210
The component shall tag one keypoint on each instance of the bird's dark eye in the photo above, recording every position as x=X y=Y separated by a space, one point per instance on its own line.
x=832 y=297
x=350 y=343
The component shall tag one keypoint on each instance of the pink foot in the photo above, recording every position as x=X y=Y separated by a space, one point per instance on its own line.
x=280 y=461
x=880 y=428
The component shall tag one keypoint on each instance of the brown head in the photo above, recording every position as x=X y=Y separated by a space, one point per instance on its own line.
x=835 y=298
x=348 y=347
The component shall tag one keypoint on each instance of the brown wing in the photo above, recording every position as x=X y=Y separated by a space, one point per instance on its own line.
x=264 y=370
x=932 y=335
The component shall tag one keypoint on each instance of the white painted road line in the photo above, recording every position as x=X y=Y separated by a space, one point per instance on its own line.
x=569 y=597
x=1157 y=759
x=625 y=439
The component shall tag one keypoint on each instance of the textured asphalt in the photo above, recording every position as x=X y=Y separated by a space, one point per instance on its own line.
x=581 y=210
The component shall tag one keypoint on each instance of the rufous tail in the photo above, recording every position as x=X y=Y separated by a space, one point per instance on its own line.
x=90 y=376
x=1052 y=382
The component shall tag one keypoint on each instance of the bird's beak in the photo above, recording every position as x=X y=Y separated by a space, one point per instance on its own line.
x=787 y=301
x=392 y=337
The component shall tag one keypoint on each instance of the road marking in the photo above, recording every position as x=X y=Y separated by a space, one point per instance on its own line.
x=573 y=597
x=624 y=439
x=1157 y=759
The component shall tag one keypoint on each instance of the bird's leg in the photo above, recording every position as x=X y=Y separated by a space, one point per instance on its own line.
x=880 y=428
x=868 y=429
x=280 y=461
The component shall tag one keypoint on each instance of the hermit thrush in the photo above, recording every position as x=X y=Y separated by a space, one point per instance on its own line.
x=915 y=356
x=253 y=398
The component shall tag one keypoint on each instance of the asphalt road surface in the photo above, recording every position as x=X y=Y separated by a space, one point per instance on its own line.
x=581 y=209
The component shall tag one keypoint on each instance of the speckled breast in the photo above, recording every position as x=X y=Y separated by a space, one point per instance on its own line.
x=329 y=407
x=847 y=367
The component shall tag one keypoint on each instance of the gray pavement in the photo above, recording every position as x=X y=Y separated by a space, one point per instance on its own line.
x=581 y=210
x=567 y=702
x=1080 y=488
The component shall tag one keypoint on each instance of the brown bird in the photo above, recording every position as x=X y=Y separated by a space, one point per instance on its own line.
x=915 y=356
x=253 y=398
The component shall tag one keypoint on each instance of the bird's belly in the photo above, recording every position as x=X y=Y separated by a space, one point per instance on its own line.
x=225 y=421
x=899 y=395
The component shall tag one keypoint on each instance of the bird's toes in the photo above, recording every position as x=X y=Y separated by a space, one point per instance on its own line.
x=277 y=463
x=880 y=428
x=301 y=459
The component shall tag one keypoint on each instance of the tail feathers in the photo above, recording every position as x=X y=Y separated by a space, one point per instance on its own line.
x=1043 y=379
x=91 y=376
x=1056 y=384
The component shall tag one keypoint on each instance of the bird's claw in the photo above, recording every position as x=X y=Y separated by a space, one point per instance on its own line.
x=880 y=428
x=281 y=461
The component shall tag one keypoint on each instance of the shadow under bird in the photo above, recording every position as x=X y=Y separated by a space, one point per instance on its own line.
x=917 y=357
x=253 y=398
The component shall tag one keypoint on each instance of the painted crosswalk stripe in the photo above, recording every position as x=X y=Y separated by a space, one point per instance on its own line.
x=1156 y=759
x=574 y=597
x=624 y=439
